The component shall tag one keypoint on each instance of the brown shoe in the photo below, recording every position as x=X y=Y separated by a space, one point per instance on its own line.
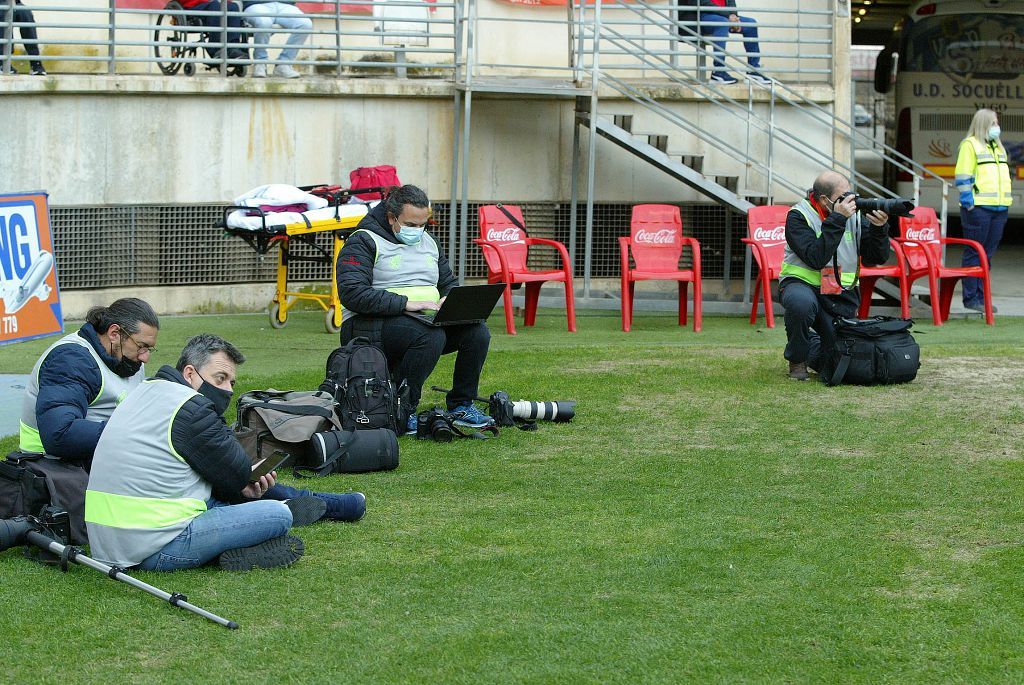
x=798 y=371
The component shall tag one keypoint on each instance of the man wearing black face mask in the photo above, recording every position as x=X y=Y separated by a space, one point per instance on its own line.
x=169 y=486
x=76 y=384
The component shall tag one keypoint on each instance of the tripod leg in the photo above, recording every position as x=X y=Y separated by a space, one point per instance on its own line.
x=73 y=554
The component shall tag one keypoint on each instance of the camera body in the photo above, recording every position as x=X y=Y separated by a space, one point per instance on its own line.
x=893 y=206
x=435 y=425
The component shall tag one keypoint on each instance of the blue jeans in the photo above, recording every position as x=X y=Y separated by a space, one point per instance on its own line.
x=985 y=226
x=264 y=15
x=220 y=528
x=344 y=506
x=748 y=29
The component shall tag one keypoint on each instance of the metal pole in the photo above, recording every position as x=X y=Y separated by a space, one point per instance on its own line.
x=574 y=187
x=173 y=598
x=453 y=211
x=337 y=37
x=9 y=34
x=771 y=138
x=112 y=37
x=464 y=206
x=595 y=79
x=224 y=37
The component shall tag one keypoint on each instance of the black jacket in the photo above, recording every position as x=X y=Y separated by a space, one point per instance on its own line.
x=205 y=442
x=355 y=271
x=817 y=251
x=69 y=381
x=706 y=7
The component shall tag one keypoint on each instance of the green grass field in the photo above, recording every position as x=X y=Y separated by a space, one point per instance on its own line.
x=702 y=519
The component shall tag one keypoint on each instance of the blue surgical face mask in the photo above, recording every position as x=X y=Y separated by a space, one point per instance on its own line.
x=993 y=133
x=410 y=235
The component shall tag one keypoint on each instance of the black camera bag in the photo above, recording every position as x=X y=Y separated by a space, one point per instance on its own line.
x=359 y=379
x=874 y=351
x=30 y=482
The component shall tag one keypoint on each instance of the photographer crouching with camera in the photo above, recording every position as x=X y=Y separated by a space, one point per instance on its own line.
x=826 y=238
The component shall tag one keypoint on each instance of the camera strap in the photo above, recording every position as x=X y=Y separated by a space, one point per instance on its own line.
x=518 y=224
x=856 y=247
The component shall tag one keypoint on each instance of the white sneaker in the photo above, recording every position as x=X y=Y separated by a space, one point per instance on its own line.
x=259 y=71
x=286 y=71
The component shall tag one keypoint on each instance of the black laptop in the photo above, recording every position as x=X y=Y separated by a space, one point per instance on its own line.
x=464 y=304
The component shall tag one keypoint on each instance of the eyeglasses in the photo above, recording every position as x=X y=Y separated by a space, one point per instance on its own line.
x=143 y=347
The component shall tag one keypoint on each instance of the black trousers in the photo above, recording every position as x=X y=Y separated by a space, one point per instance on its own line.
x=413 y=349
x=809 y=319
x=22 y=15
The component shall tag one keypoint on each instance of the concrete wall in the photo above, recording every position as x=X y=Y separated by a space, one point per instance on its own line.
x=135 y=139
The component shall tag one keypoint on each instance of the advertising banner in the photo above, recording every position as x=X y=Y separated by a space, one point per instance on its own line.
x=29 y=296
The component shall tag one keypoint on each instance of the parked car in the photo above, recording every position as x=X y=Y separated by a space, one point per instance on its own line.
x=861 y=116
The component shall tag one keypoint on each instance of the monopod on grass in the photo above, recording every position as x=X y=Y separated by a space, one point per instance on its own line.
x=30 y=529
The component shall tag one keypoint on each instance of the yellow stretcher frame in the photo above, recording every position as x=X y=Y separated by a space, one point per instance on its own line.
x=263 y=240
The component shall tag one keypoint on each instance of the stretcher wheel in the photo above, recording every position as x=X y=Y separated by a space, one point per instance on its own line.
x=275 y=322
x=329 y=321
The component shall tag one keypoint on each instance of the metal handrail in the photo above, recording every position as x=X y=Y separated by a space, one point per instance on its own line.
x=839 y=125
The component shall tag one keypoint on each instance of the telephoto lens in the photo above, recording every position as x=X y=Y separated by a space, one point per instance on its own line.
x=559 y=412
x=893 y=206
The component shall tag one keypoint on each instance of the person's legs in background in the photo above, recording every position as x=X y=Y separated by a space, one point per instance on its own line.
x=213 y=21
x=259 y=18
x=986 y=227
x=718 y=34
x=224 y=527
x=23 y=15
x=291 y=17
x=748 y=29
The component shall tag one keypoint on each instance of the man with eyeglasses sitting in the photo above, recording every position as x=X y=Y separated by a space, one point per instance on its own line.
x=80 y=379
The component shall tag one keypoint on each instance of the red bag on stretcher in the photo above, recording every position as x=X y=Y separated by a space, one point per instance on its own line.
x=381 y=176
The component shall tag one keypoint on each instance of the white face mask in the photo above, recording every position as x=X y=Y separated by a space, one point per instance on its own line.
x=993 y=133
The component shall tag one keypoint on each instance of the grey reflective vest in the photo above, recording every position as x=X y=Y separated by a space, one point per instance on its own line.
x=141 y=492
x=847 y=255
x=409 y=270
x=113 y=389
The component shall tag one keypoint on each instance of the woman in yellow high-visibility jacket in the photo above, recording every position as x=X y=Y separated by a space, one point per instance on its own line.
x=983 y=179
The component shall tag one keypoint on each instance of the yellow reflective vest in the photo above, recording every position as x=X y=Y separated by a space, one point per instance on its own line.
x=983 y=169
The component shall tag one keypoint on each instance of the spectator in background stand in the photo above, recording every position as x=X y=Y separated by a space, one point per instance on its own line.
x=22 y=15
x=722 y=13
x=213 y=21
x=263 y=14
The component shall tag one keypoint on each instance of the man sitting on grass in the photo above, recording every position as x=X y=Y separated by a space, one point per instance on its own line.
x=169 y=487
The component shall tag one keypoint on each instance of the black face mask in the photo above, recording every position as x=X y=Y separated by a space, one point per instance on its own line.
x=221 y=398
x=124 y=367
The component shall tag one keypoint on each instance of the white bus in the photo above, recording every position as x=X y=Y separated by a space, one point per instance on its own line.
x=952 y=58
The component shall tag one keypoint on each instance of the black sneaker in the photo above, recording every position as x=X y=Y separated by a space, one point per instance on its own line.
x=306 y=510
x=274 y=553
x=37 y=69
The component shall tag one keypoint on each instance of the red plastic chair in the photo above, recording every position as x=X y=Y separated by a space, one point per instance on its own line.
x=656 y=241
x=506 y=247
x=922 y=244
x=869 y=275
x=766 y=235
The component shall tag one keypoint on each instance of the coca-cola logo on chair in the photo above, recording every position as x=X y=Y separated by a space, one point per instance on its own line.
x=665 y=236
x=770 y=236
x=503 y=235
x=923 y=234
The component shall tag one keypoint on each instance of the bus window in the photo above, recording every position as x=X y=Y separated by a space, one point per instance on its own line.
x=966 y=46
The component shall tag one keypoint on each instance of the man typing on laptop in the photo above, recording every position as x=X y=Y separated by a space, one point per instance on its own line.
x=391 y=266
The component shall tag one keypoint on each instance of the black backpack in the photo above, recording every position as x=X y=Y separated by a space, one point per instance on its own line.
x=872 y=351
x=358 y=377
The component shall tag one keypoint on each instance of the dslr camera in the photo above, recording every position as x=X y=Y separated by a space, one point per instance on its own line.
x=435 y=425
x=893 y=206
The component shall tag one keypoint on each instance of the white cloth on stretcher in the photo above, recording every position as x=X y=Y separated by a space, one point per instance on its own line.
x=279 y=194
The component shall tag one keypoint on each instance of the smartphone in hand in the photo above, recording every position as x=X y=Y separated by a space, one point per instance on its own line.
x=267 y=464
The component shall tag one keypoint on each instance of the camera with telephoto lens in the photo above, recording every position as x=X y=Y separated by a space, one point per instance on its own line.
x=506 y=412
x=893 y=206
x=435 y=425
